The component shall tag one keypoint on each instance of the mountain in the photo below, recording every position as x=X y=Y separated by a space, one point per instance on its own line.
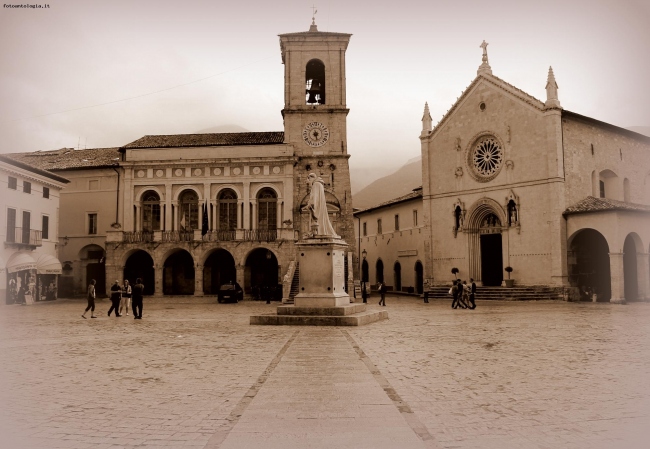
x=398 y=183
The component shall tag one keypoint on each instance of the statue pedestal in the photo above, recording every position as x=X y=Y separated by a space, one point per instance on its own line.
x=322 y=273
x=322 y=300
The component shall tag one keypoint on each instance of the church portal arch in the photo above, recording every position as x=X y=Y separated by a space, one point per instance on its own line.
x=139 y=264
x=487 y=220
x=178 y=274
x=218 y=269
x=588 y=264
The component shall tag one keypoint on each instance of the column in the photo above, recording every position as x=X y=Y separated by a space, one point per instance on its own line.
x=643 y=276
x=198 y=280
x=254 y=213
x=617 y=278
x=240 y=213
x=168 y=207
x=247 y=192
x=138 y=216
x=158 y=277
x=174 y=226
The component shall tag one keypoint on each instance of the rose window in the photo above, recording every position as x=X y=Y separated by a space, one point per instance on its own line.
x=486 y=158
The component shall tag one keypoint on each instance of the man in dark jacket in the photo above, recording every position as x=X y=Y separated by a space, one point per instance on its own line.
x=136 y=300
x=116 y=297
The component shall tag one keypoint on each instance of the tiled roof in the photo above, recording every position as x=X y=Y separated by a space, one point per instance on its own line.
x=591 y=204
x=8 y=160
x=202 y=140
x=69 y=158
x=416 y=193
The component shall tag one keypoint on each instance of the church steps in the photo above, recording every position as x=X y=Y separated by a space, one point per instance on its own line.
x=523 y=293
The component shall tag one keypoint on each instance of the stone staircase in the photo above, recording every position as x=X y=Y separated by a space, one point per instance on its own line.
x=295 y=284
x=522 y=293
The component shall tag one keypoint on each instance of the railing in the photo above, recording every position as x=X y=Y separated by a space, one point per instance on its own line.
x=25 y=236
x=137 y=237
x=177 y=236
x=220 y=236
x=260 y=235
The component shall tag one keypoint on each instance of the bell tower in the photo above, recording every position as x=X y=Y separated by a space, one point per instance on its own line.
x=315 y=114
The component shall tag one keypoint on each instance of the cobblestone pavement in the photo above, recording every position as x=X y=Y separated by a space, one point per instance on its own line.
x=195 y=374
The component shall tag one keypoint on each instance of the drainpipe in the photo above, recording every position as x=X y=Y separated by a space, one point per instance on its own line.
x=117 y=197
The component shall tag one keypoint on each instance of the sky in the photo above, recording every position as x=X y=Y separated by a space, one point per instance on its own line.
x=104 y=73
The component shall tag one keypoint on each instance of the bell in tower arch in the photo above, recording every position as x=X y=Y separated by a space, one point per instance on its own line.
x=315 y=82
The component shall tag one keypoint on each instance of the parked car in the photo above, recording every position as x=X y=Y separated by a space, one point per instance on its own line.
x=230 y=293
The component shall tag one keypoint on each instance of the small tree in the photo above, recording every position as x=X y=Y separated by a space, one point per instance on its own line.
x=509 y=270
x=455 y=271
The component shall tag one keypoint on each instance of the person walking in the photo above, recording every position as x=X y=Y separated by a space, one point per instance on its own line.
x=454 y=295
x=381 y=287
x=125 y=303
x=472 y=294
x=364 y=292
x=90 y=296
x=116 y=296
x=138 y=292
x=464 y=298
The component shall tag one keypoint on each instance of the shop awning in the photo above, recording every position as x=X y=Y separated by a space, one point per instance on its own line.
x=47 y=264
x=20 y=262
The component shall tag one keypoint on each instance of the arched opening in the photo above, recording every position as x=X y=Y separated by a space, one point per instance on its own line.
x=513 y=213
x=458 y=217
x=630 y=273
x=379 y=271
x=267 y=210
x=178 y=274
x=93 y=258
x=219 y=269
x=397 y=272
x=150 y=211
x=365 y=277
x=261 y=274
x=609 y=185
x=227 y=204
x=188 y=202
x=419 y=277
x=140 y=265
x=315 y=82
x=588 y=263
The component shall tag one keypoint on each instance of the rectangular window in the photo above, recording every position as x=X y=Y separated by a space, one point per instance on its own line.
x=92 y=223
x=602 y=189
x=12 y=183
x=93 y=184
x=397 y=222
x=27 y=187
x=11 y=225
x=45 y=229
x=379 y=226
x=46 y=192
x=415 y=218
x=27 y=224
x=365 y=229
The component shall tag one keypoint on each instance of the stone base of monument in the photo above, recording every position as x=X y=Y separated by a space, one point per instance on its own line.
x=322 y=300
x=347 y=315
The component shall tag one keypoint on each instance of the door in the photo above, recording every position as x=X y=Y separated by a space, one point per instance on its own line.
x=491 y=260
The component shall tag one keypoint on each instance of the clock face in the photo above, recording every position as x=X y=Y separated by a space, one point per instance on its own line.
x=315 y=134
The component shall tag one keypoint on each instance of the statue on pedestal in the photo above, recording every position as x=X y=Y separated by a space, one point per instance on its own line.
x=320 y=222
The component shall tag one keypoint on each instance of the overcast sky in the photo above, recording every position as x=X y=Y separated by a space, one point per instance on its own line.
x=218 y=63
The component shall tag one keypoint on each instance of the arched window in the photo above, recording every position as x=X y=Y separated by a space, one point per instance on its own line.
x=189 y=210
x=315 y=82
x=150 y=211
x=267 y=209
x=227 y=210
x=379 y=271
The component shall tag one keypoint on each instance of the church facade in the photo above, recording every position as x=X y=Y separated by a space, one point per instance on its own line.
x=559 y=199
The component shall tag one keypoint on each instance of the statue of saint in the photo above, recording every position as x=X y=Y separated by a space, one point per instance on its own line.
x=321 y=224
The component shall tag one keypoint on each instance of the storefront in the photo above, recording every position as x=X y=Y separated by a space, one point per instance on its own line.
x=48 y=269
x=21 y=279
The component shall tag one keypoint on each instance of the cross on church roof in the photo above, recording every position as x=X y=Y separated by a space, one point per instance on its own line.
x=485 y=66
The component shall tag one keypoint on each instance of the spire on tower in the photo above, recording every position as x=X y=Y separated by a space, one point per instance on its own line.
x=552 y=100
x=426 y=120
x=484 y=68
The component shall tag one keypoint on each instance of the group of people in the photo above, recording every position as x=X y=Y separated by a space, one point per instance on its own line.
x=122 y=298
x=463 y=294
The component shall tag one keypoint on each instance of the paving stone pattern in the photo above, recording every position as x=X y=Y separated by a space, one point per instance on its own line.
x=195 y=374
